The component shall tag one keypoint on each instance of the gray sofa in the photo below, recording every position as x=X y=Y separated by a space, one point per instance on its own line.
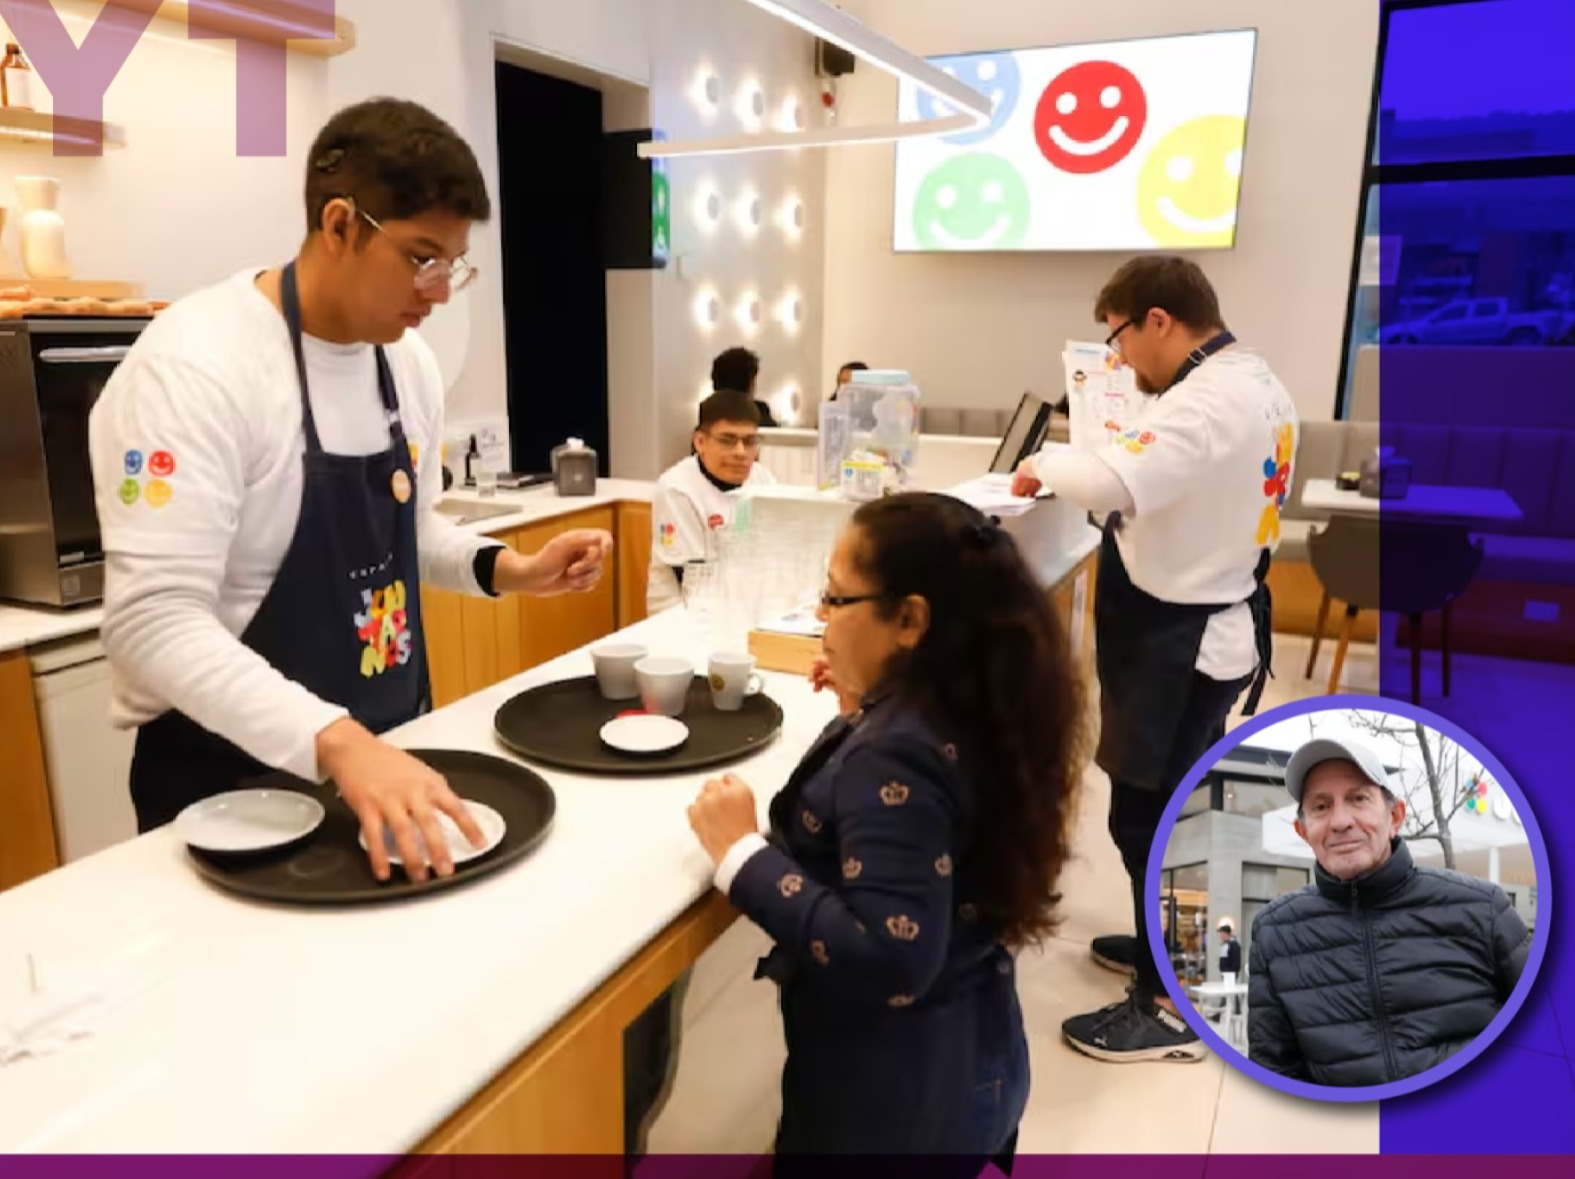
x=1535 y=466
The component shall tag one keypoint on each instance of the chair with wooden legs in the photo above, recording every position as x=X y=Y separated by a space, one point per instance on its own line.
x=1409 y=568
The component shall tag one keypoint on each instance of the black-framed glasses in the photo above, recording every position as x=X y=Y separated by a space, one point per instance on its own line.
x=831 y=601
x=431 y=273
x=1110 y=340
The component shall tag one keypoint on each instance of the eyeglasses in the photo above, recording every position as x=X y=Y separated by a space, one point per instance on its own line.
x=1110 y=340
x=431 y=273
x=750 y=442
x=830 y=600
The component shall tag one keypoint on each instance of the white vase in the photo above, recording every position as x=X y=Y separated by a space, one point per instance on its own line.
x=43 y=229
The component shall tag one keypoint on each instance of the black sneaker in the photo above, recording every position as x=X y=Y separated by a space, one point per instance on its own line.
x=1117 y=952
x=1133 y=1030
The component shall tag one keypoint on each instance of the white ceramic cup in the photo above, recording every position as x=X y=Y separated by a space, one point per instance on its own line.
x=732 y=678
x=664 y=683
x=614 y=665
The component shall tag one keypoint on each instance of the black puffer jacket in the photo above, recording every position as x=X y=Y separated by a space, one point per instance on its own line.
x=1366 y=982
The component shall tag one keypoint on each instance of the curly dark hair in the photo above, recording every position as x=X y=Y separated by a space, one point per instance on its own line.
x=995 y=668
x=397 y=160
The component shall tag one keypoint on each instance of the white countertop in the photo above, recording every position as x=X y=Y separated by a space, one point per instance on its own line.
x=26 y=626
x=248 y=1028
x=1468 y=505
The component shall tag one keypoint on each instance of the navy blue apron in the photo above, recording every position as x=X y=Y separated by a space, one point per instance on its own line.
x=1147 y=652
x=342 y=618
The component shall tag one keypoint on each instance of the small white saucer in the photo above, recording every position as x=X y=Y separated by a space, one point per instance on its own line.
x=645 y=734
x=249 y=820
x=460 y=849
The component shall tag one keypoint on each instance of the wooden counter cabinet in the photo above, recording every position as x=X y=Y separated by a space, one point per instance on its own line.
x=473 y=643
x=27 y=824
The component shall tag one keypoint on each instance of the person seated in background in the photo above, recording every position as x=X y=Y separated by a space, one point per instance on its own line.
x=1379 y=969
x=916 y=848
x=845 y=375
x=738 y=371
x=693 y=498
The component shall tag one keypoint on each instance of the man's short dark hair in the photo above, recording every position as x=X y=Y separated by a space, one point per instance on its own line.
x=1173 y=284
x=728 y=406
x=735 y=371
x=397 y=160
x=854 y=366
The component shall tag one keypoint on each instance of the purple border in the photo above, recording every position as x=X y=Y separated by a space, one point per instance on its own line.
x=1539 y=857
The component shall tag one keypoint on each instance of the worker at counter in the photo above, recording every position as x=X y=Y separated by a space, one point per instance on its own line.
x=266 y=469
x=694 y=498
x=1191 y=495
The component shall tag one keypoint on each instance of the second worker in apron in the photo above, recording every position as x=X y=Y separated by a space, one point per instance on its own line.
x=1190 y=496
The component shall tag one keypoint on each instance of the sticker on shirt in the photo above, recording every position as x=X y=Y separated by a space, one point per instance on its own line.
x=384 y=627
x=714 y=522
x=1136 y=441
x=161 y=464
x=158 y=494
x=1276 y=483
x=415 y=453
x=130 y=491
x=669 y=535
x=133 y=463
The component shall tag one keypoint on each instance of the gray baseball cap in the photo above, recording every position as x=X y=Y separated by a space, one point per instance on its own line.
x=1324 y=749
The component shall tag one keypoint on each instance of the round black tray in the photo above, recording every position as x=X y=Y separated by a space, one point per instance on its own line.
x=560 y=724
x=329 y=866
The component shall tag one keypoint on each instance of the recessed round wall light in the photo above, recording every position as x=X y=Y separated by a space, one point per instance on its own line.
x=751 y=105
x=708 y=309
x=791 y=216
x=791 y=116
x=706 y=90
x=749 y=313
x=748 y=212
x=790 y=312
x=708 y=207
x=788 y=402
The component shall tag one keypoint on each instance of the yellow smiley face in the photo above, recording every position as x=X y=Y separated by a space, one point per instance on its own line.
x=1189 y=184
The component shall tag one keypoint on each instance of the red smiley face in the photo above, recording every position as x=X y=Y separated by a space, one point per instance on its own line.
x=162 y=464
x=1091 y=117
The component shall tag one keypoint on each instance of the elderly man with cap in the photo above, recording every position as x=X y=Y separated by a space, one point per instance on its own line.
x=1379 y=969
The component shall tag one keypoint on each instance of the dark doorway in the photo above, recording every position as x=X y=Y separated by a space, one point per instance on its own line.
x=554 y=277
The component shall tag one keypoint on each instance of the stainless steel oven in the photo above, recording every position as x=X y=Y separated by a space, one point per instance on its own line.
x=51 y=374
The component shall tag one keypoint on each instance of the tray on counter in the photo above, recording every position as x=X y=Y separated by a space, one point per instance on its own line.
x=329 y=867
x=559 y=724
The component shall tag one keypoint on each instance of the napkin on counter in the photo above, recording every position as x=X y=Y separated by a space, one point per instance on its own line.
x=45 y=1024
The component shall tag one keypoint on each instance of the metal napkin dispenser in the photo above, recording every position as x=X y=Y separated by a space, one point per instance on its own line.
x=1385 y=476
x=574 y=468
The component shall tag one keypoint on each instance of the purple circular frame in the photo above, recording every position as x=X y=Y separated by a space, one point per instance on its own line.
x=1184 y=1005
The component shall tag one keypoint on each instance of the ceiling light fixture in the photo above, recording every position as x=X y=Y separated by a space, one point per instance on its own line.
x=821 y=19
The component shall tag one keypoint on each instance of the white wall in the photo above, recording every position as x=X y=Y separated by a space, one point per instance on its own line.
x=977 y=331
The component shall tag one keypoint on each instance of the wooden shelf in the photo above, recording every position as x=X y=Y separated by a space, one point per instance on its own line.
x=43 y=129
x=73 y=288
x=245 y=25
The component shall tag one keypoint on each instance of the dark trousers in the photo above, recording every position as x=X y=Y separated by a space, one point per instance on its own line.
x=1135 y=813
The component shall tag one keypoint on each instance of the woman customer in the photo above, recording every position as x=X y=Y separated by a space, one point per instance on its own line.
x=916 y=848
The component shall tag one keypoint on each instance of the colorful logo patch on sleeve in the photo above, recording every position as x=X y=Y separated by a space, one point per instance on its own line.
x=715 y=522
x=1136 y=441
x=669 y=535
x=384 y=627
x=130 y=491
x=415 y=453
x=161 y=464
x=159 y=494
x=133 y=462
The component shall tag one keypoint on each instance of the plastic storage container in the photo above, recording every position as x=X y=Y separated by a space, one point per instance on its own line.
x=574 y=468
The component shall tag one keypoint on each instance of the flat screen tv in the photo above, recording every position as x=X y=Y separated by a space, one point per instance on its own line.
x=1120 y=146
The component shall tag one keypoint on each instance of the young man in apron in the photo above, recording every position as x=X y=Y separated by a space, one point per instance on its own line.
x=1191 y=496
x=266 y=462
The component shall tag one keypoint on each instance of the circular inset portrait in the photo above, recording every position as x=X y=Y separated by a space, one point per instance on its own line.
x=1348 y=893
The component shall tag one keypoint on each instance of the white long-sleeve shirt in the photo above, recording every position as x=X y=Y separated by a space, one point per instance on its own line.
x=196 y=446
x=1200 y=479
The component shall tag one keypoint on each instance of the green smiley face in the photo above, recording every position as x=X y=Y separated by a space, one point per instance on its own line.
x=130 y=489
x=974 y=202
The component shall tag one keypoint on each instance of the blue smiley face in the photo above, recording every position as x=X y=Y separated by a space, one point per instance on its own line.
x=133 y=462
x=994 y=75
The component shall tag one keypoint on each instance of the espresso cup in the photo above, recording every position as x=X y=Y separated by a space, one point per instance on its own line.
x=614 y=665
x=732 y=678
x=664 y=684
